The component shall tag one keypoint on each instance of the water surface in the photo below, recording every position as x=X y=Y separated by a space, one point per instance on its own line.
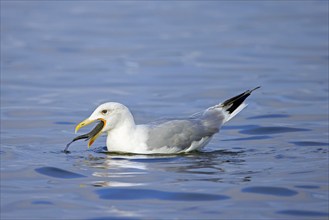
x=60 y=60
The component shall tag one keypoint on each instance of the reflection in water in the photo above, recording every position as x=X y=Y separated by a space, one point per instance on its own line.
x=114 y=184
x=114 y=163
x=115 y=170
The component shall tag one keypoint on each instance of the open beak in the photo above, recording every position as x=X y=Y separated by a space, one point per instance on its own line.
x=94 y=134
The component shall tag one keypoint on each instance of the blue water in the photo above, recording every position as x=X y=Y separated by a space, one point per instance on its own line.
x=60 y=60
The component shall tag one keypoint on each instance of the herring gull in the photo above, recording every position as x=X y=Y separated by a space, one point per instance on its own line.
x=169 y=136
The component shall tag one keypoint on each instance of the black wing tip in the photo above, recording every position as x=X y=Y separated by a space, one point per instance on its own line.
x=233 y=103
x=250 y=91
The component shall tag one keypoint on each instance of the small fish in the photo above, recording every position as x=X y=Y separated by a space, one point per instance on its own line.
x=93 y=134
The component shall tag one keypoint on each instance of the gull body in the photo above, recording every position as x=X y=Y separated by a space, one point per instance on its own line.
x=164 y=136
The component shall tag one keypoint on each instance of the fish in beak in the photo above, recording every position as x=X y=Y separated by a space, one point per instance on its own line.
x=92 y=135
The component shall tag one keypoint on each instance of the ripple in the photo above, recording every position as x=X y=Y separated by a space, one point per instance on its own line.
x=261 y=137
x=268 y=190
x=138 y=194
x=158 y=159
x=309 y=143
x=239 y=127
x=114 y=184
x=64 y=123
x=58 y=173
x=114 y=218
x=307 y=186
x=271 y=130
x=216 y=152
x=41 y=202
x=269 y=116
x=303 y=213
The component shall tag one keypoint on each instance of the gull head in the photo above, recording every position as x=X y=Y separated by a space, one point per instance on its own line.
x=112 y=114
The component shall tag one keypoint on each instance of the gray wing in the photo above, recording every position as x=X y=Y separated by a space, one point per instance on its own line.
x=180 y=133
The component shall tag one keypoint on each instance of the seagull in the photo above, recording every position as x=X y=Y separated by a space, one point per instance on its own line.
x=170 y=136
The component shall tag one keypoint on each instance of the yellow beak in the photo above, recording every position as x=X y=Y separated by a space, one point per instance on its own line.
x=85 y=123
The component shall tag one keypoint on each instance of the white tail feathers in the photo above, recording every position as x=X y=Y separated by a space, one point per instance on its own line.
x=229 y=116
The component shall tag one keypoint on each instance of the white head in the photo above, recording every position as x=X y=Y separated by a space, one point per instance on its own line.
x=112 y=114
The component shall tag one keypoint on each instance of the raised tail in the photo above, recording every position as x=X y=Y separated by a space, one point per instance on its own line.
x=234 y=105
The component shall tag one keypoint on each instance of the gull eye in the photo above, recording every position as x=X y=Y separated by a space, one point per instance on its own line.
x=104 y=111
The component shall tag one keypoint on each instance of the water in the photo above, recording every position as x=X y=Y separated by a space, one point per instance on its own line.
x=59 y=60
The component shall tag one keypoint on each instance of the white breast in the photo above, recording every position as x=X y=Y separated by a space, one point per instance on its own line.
x=123 y=140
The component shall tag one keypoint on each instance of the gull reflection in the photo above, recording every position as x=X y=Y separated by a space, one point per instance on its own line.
x=114 y=171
